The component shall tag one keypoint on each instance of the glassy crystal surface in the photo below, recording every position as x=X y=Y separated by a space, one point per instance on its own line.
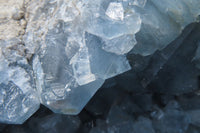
x=67 y=49
x=162 y=22
x=77 y=54
x=18 y=98
x=79 y=44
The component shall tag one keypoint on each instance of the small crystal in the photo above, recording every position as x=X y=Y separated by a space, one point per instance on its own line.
x=115 y=11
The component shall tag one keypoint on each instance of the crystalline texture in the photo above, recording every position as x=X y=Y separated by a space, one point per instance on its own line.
x=115 y=11
x=77 y=45
x=162 y=22
x=82 y=43
x=77 y=54
x=18 y=99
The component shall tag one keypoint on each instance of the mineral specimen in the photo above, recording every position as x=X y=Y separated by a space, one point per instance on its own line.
x=70 y=47
x=77 y=54
x=18 y=97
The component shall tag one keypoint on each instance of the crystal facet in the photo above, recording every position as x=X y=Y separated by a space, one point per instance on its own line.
x=77 y=54
x=64 y=50
x=18 y=98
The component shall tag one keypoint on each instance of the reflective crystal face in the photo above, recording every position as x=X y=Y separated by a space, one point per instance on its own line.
x=75 y=59
x=77 y=45
x=82 y=43
x=115 y=11
x=18 y=98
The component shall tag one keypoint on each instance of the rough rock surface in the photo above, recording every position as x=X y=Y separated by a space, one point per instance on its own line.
x=12 y=22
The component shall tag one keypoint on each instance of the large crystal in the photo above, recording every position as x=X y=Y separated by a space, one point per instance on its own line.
x=78 y=53
x=82 y=43
x=75 y=45
x=79 y=44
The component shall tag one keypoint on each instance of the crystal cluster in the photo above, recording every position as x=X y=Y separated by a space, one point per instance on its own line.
x=18 y=97
x=72 y=46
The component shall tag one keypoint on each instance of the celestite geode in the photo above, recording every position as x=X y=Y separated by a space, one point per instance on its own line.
x=77 y=45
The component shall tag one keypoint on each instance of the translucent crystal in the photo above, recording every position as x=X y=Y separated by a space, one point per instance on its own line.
x=162 y=22
x=76 y=56
x=18 y=99
x=140 y=3
x=115 y=11
x=77 y=45
x=81 y=43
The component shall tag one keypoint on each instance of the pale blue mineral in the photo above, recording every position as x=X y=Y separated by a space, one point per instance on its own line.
x=80 y=51
x=73 y=46
x=78 y=44
x=162 y=22
x=18 y=98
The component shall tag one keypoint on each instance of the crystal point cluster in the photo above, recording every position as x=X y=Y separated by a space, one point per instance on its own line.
x=72 y=46
x=18 y=96
x=78 y=53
